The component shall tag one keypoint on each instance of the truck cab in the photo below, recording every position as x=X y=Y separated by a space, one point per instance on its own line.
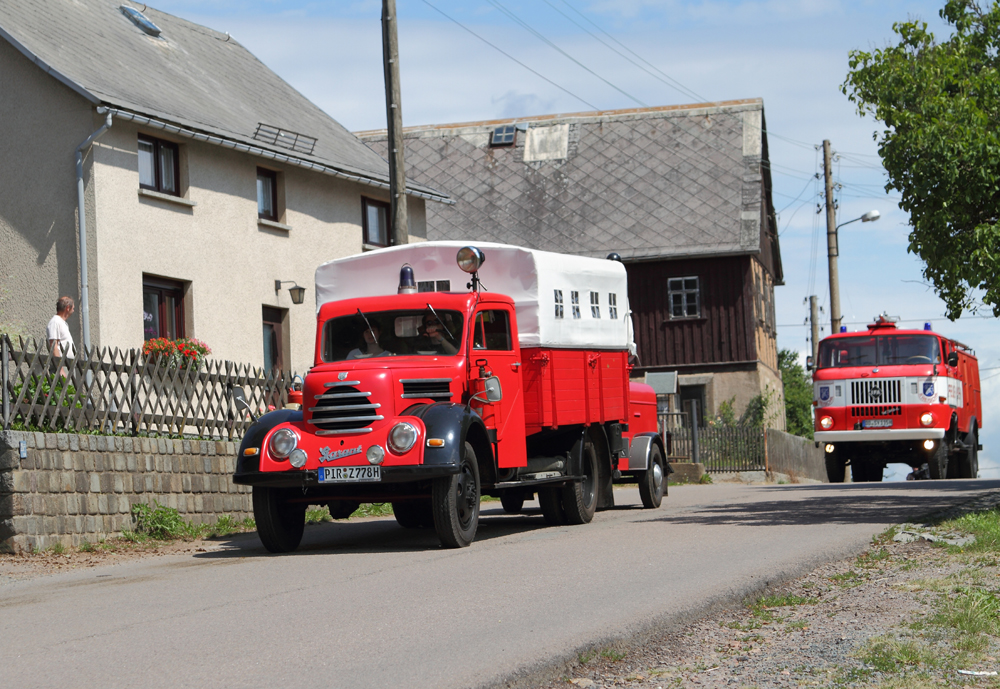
x=894 y=395
x=430 y=399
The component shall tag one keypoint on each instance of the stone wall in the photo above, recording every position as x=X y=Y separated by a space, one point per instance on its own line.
x=795 y=456
x=70 y=488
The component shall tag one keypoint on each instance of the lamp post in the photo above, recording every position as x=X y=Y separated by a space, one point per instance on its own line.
x=833 y=251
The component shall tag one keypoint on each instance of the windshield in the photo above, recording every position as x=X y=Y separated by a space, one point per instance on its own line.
x=882 y=350
x=416 y=332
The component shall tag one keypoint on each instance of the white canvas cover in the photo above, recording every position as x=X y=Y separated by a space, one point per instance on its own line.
x=533 y=279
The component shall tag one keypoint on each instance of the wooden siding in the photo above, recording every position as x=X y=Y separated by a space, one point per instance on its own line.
x=723 y=333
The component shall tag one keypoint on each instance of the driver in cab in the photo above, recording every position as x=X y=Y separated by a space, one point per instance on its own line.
x=433 y=337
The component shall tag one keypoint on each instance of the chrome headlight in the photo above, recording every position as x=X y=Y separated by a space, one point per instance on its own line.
x=283 y=441
x=298 y=458
x=926 y=418
x=375 y=454
x=826 y=422
x=402 y=437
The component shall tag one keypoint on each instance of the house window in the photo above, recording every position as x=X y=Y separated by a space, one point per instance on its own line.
x=503 y=136
x=158 y=166
x=375 y=222
x=574 y=298
x=267 y=194
x=595 y=304
x=612 y=306
x=274 y=339
x=559 y=303
x=162 y=308
x=683 y=295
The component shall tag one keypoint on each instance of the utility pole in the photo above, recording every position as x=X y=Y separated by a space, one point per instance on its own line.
x=814 y=323
x=832 y=250
x=394 y=119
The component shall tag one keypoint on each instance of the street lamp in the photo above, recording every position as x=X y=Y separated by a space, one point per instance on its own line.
x=833 y=251
x=298 y=293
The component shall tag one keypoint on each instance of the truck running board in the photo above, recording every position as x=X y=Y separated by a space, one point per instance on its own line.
x=529 y=483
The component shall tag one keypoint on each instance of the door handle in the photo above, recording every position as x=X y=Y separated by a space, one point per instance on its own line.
x=516 y=365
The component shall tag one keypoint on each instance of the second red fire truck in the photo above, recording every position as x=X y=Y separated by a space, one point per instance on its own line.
x=506 y=377
x=888 y=395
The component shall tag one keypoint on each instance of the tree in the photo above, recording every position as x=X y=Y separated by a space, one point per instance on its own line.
x=798 y=394
x=940 y=104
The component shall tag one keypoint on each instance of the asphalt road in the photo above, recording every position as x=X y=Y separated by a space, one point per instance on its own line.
x=367 y=604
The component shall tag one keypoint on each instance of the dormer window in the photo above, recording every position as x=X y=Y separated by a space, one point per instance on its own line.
x=503 y=135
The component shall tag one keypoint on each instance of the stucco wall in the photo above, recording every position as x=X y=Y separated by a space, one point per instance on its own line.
x=741 y=387
x=41 y=124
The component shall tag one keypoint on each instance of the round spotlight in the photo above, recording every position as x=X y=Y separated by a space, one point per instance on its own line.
x=402 y=437
x=298 y=458
x=928 y=444
x=828 y=448
x=375 y=454
x=826 y=422
x=470 y=259
x=283 y=442
x=926 y=418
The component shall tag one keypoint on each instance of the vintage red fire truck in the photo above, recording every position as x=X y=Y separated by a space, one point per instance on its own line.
x=889 y=395
x=506 y=377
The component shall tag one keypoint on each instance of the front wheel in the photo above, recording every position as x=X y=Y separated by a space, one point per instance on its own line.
x=455 y=502
x=836 y=468
x=938 y=461
x=653 y=481
x=280 y=523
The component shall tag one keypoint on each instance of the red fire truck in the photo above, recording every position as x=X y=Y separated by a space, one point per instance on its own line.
x=889 y=395
x=428 y=395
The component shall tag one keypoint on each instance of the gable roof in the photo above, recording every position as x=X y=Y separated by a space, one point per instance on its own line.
x=648 y=183
x=192 y=79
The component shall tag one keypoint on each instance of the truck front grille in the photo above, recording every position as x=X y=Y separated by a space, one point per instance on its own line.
x=877 y=392
x=438 y=389
x=877 y=410
x=344 y=409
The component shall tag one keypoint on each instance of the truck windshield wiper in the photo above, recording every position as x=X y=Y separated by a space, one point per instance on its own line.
x=361 y=313
x=441 y=321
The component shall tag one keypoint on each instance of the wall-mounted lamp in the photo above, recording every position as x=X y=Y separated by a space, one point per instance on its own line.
x=298 y=293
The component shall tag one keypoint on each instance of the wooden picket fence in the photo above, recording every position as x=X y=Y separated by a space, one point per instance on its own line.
x=123 y=391
x=720 y=448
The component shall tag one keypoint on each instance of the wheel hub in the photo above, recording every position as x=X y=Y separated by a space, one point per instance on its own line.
x=657 y=476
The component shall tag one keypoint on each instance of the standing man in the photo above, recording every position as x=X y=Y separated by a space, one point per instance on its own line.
x=57 y=332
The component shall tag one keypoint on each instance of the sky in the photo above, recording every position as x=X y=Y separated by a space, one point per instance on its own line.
x=468 y=60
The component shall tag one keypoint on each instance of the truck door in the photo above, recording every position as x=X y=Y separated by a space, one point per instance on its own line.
x=495 y=346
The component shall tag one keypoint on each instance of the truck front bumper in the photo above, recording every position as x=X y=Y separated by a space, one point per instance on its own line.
x=310 y=477
x=878 y=435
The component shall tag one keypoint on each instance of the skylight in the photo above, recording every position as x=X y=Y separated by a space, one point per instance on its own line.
x=284 y=138
x=141 y=20
x=503 y=135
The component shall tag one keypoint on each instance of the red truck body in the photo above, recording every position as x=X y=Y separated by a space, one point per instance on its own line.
x=430 y=426
x=892 y=395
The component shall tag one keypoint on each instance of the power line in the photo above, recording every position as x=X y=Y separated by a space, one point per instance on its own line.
x=562 y=52
x=511 y=57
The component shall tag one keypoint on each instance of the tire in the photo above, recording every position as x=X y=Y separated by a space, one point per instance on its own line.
x=653 y=481
x=836 y=467
x=579 y=499
x=455 y=502
x=550 y=500
x=938 y=461
x=342 y=509
x=279 y=522
x=863 y=471
x=413 y=514
x=512 y=501
x=970 y=457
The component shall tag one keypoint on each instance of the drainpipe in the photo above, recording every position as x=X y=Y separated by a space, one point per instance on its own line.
x=82 y=212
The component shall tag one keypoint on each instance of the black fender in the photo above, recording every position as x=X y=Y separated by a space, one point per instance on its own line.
x=456 y=424
x=254 y=437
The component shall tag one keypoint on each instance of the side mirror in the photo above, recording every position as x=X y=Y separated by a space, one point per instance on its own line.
x=240 y=400
x=493 y=390
x=809 y=363
x=953 y=358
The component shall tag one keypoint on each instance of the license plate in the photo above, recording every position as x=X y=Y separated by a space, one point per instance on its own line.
x=349 y=474
x=876 y=423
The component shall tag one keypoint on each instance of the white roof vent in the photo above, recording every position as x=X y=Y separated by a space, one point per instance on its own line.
x=141 y=20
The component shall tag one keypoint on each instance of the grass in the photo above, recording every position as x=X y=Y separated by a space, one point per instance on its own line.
x=890 y=655
x=985 y=526
x=612 y=654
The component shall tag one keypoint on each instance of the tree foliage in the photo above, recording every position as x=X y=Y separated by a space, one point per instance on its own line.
x=798 y=394
x=940 y=104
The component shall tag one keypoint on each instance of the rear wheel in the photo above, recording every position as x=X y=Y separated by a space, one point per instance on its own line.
x=413 y=514
x=513 y=502
x=342 y=509
x=580 y=498
x=970 y=457
x=280 y=522
x=653 y=481
x=836 y=467
x=455 y=502
x=938 y=461
x=550 y=500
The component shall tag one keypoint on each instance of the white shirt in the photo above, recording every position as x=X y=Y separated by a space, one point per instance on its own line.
x=58 y=330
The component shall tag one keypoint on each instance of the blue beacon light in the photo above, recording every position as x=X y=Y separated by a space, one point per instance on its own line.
x=927 y=326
